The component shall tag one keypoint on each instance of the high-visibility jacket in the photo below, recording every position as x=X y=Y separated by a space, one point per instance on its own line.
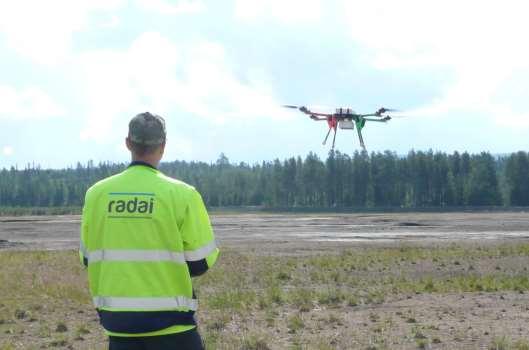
x=143 y=236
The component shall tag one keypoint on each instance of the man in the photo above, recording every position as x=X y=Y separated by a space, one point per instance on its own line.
x=143 y=236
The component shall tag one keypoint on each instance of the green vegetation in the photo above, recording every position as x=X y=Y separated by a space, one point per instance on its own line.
x=378 y=180
x=253 y=301
x=22 y=211
x=504 y=343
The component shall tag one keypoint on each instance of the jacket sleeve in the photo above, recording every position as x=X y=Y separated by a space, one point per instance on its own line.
x=83 y=252
x=200 y=248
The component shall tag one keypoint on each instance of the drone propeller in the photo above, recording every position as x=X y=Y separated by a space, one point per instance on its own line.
x=291 y=106
x=384 y=110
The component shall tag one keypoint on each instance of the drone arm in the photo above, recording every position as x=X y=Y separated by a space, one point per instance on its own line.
x=379 y=112
x=324 y=115
x=383 y=120
x=314 y=114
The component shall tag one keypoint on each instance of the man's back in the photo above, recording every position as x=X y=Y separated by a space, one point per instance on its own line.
x=137 y=201
x=144 y=235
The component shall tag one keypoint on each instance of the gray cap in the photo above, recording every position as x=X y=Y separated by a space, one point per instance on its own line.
x=147 y=129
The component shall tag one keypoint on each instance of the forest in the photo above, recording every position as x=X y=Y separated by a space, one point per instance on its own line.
x=420 y=179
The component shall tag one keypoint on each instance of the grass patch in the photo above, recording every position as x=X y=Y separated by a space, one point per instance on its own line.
x=302 y=299
x=251 y=301
x=295 y=323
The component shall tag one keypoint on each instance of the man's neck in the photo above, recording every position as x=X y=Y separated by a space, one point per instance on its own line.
x=147 y=161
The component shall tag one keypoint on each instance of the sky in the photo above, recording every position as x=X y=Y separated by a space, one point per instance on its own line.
x=73 y=73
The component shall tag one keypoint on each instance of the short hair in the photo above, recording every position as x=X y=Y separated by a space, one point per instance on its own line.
x=141 y=150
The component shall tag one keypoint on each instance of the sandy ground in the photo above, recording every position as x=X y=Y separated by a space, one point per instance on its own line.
x=457 y=320
x=296 y=232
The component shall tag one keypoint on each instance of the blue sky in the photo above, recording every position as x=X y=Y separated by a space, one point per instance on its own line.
x=73 y=73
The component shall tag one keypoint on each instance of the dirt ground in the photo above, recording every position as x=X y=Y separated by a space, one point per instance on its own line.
x=378 y=250
x=291 y=233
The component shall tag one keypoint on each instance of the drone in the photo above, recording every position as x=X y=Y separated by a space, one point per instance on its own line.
x=346 y=119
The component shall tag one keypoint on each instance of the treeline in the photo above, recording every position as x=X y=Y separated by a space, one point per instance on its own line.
x=420 y=179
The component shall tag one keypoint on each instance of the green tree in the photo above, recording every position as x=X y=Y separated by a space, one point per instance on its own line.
x=517 y=177
x=483 y=182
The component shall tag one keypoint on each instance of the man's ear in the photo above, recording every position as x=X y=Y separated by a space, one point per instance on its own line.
x=127 y=143
x=162 y=147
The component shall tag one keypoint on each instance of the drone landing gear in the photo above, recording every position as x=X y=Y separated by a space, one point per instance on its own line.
x=333 y=123
x=361 y=139
x=333 y=138
x=326 y=137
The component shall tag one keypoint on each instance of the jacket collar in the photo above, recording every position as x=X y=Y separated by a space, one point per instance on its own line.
x=139 y=162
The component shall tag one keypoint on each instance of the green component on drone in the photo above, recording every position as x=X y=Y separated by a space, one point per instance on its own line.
x=360 y=123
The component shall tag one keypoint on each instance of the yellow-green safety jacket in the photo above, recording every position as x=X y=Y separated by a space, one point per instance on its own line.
x=143 y=236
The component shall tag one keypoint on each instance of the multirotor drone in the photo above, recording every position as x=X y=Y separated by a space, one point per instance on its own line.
x=346 y=119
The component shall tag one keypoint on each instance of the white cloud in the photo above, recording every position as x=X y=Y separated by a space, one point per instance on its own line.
x=178 y=147
x=43 y=30
x=439 y=33
x=7 y=151
x=479 y=42
x=29 y=103
x=113 y=22
x=117 y=82
x=172 y=7
x=155 y=74
x=286 y=11
x=211 y=89
x=121 y=149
